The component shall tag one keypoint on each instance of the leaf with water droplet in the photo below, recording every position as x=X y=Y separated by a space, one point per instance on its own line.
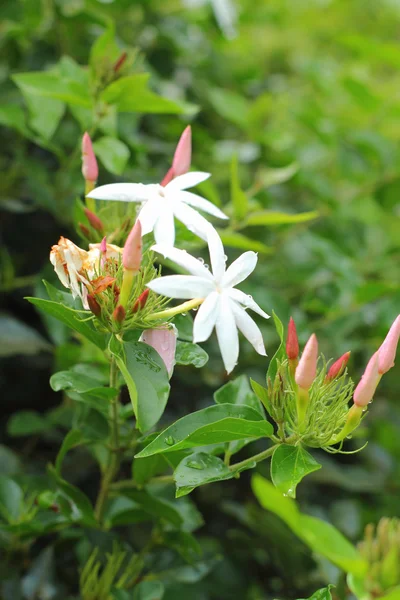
x=169 y=440
x=289 y=465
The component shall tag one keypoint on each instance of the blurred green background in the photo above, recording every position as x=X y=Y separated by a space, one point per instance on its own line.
x=300 y=102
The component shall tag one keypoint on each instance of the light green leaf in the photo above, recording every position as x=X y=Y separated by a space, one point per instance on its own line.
x=149 y=590
x=11 y=498
x=237 y=392
x=320 y=536
x=45 y=114
x=270 y=217
x=70 y=317
x=262 y=394
x=53 y=85
x=131 y=94
x=322 y=594
x=230 y=105
x=238 y=197
x=269 y=177
x=27 y=422
x=280 y=353
x=13 y=116
x=113 y=153
x=190 y=354
x=147 y=379
x=238 y=240
x=289 y=465
x=104 y=52
x=212 y=425
x=71 y=440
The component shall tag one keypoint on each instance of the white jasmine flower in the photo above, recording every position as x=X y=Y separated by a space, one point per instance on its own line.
x=160 y=204
x=223 y=306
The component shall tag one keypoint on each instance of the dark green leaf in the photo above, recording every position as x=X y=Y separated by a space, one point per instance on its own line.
x=262 y=394
x=212 y=425
x=76 y=506
x=70 y=317
x=71 y=440
x=190 y=354
x=12 y=115
x=280 y=353
x=155 y=506
x=27 y=422
x=198 y=469
x=237 y=392
x=45 y=114
x=19 y=338
x=147 y=379
x=149 y=590
x=11 y=499
x=289 y=465
x=73 y=380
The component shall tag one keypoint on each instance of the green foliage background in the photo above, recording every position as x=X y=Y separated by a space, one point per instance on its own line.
x=300 y=102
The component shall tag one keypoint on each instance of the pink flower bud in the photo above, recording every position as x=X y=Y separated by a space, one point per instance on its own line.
x=141 y=301
x=164 y=342
x=365 y=390
x=183 y=153
x=94 y=220
x=103 y=246
x=182 y=157
x=93 y=305
x=90 y=169
x=338 y=367
x=387 y=351
x=119 y=314
x=132 y=253
x=307 y=367
x=292 y=343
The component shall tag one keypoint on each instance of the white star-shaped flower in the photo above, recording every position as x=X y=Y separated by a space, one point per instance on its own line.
x=162 y=203
x=223 y=306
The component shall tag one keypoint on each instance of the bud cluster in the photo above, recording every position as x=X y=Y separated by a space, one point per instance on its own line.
x=309 y=398
x=381 y=549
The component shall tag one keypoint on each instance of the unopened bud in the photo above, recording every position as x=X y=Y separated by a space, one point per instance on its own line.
x=90 y=170
x=164 y=342
x=292 y=342
x=141 y=301
x=103 y=246
x=84 y=230
x=387 y=351
x=338 y=367
x=182 y=157
x=365 y=390
x=307 y=368
x=120 y=62
x=94 y=220
x=132 y=253
x=93 y=305
x=119 y=314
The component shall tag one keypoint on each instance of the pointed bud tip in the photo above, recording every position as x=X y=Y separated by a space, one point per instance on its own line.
x=132 y=252
x=338 y=367
x=119 y=314
x=94 y=220
x=141 y=301
x=90 y=170
x=183 y=153
x=307 y=368
x=103 y=245
x=292 y=342
x=388 y=349
x=365 y=390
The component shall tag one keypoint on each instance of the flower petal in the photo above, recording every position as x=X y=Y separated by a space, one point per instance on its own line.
x=240 y=269
x=248 y=327
x=148 y=215
x=164 y=228
x=202 y=204
x=227 y=334
x=185 y=260
x=123 y=192
x=188 y=180
x=195 y=222
x=206 y=317
x=217 y=254
x=247 y=301
x=185 y=287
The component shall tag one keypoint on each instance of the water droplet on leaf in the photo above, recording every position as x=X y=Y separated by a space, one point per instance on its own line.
x=169 y=440
x=194 y=464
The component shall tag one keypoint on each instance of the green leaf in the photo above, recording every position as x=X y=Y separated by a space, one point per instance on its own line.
x=289 y=465
x=27 y=422
x=394 y=594
x=113 y=153
x=238 y=240
x=131 y=94
x=147 y=379
x=71 y=440
x=45 y=114
x=184 y=325
x=270 y=217
x=230 y=105
x=53 y=85
x=104 y=52
x=212 y=425
x=322 y=594
x=149 y=590
x=81 y=383
x=238 y=197
x=70 y=317
x=319 y=535
x=262 y=394
x=280 y=353
x=190 y=354
x=237 y=392
x=269 y=177
x=13 y=116
x=155 y=506
x=11 y=498
x=198 y=469
x=19 y=338
x=77 y=507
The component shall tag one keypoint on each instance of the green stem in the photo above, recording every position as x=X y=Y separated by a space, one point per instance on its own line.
x=176 y=310
x=256 y=458
x=114 y=459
